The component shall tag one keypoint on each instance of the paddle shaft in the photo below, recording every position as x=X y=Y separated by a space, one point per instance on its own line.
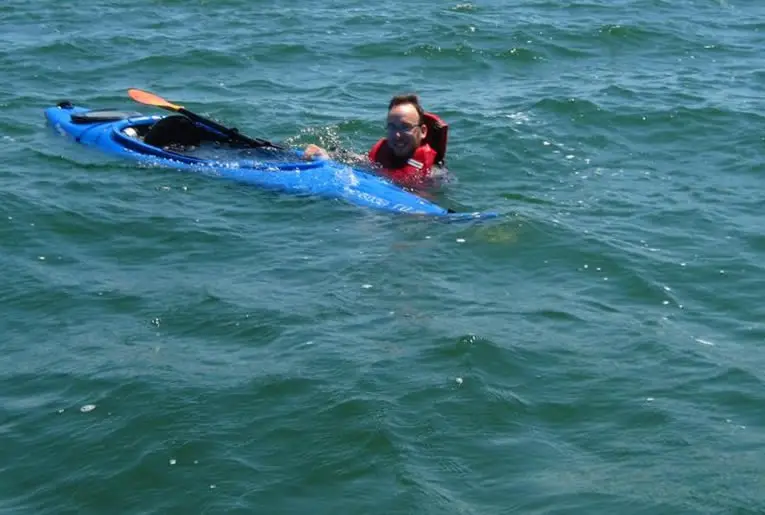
x=231 y=133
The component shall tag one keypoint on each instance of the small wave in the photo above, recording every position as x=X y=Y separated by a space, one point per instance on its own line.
x=466 y=7
x=581 y=39
x=653 y=122
x=526 y=199
x=568 y=106
x=62 y=50
x=430 y=50
x=552 y=43
x=635 y=34
x=519 y=54
x=555 y=315
x=193 y=58
x=615 y=90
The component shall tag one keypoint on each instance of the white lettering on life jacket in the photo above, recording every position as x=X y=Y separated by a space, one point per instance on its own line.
x=416 y=164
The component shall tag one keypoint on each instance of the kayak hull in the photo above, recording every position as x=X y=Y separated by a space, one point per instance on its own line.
x=324 y=178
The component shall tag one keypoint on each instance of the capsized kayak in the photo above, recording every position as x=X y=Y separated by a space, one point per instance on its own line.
x=119 y=134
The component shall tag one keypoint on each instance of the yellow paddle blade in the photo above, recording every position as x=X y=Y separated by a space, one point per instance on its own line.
x=144 y=97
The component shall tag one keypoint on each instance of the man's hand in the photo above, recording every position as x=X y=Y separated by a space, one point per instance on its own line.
x=315 y=152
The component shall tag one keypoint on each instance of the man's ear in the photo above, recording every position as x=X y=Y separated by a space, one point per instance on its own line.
x=424 y=130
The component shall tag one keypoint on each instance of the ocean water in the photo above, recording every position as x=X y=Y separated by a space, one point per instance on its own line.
x=178 y=344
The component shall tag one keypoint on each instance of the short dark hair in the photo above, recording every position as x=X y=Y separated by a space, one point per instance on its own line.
x=409 y=98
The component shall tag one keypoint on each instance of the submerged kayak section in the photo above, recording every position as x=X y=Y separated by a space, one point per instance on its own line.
x=121 y=134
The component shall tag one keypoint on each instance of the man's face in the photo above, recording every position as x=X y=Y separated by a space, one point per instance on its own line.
x=404 y=131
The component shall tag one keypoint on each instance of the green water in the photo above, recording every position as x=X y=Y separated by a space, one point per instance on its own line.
x=598 y=349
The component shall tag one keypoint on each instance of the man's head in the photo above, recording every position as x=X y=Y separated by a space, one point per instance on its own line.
x=405 y=127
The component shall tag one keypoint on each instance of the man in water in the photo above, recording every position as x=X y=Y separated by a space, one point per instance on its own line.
x=406 y=155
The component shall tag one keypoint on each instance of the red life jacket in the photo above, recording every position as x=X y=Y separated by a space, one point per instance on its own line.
x=417 y=168
x=411 y=171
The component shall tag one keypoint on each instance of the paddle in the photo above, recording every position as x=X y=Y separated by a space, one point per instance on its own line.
x=144 y=97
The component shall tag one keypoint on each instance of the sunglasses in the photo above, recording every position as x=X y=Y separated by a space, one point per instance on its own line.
x=401 y=127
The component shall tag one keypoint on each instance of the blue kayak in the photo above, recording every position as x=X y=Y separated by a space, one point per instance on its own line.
x=120 y=133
